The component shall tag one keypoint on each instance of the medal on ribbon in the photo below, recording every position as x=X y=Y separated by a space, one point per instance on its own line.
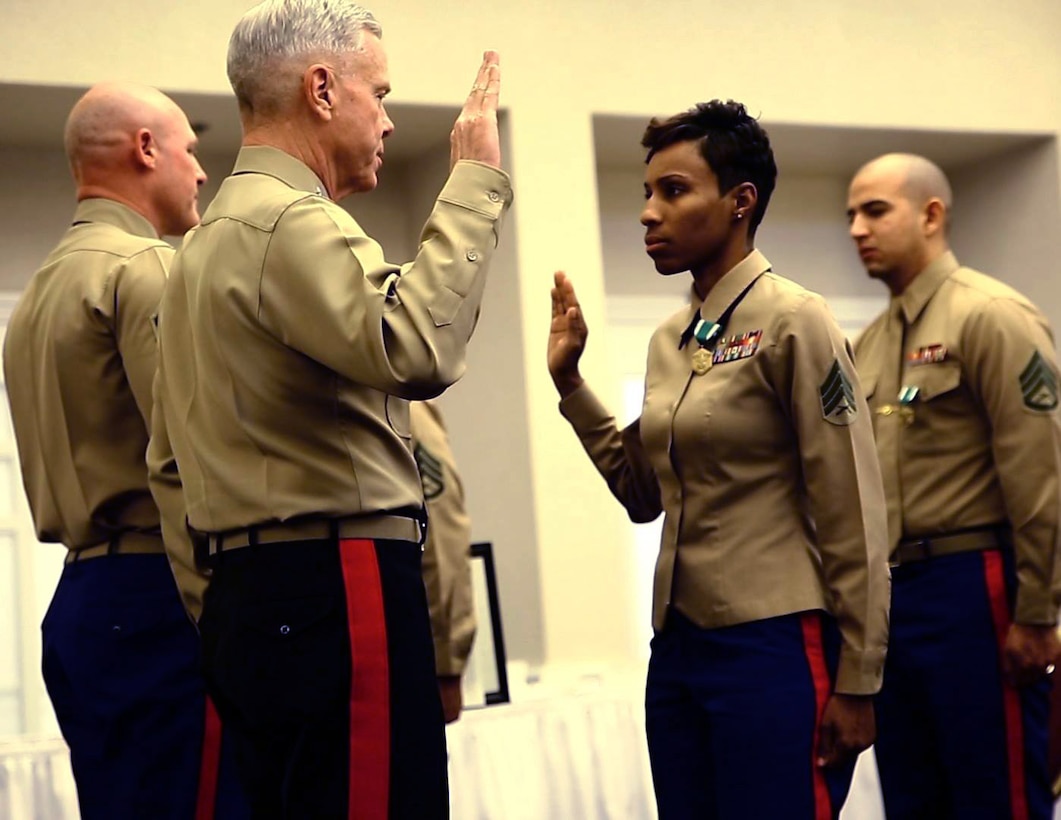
x=704 y=333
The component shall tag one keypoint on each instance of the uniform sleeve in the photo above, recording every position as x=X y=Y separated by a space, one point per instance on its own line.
x=328 y=292
x=138 y=287
x=165 y=484
x=820 y=393
x=446 y=562
x=1012 y=368
x=619 y=456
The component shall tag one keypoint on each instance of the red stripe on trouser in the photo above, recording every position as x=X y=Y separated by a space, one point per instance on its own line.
x=369 y=684
x=812 y=645
x=209 y=765
x=996 y=594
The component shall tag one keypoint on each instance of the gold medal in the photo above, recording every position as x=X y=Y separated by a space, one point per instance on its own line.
x=701 y=361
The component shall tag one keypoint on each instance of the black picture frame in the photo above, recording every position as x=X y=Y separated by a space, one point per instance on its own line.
x=488 y=659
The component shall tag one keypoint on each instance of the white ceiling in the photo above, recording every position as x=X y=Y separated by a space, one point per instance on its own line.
x=823 y=149
x=35 y=116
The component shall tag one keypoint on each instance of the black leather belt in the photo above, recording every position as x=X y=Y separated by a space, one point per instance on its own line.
x=950 y=543
x=396 y=526
x=130 y=542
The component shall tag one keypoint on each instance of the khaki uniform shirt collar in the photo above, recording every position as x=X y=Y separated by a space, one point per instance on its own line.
x=264 y=159
x=730 y=286
x=114 y=213
x=925 y=285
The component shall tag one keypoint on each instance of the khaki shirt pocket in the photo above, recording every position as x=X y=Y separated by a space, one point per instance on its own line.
x=935 y=380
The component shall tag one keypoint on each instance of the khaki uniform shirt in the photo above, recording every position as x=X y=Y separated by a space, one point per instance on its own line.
x=978 y=444
x=289 y=347
x=79 y=359
x=764 y=467
x=447 y=568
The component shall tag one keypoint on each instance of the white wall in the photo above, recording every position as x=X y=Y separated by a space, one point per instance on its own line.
x=36 y=204
x=954 y=64
x=1018 y=236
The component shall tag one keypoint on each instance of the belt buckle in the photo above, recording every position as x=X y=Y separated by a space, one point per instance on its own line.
x=911 y=550
x=923 y=546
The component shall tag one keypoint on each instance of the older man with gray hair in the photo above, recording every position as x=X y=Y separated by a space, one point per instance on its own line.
x=289 y=351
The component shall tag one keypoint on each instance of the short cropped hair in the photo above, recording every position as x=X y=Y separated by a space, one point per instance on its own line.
x=734 y=144
x=275 y=31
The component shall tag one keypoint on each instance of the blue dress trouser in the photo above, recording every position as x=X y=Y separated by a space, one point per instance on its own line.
x=953 y=740
x=732 y=716
x=121 y=663
x=319 y=657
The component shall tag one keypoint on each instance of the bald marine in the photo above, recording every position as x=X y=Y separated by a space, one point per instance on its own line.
x=898 y=209
x=133 y=144
x=962 y=381
x=120 y=658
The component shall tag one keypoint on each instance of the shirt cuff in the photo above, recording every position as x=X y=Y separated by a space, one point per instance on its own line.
x=860 y=673
x=450 y=659
x=1035 y=608
x=478 y=187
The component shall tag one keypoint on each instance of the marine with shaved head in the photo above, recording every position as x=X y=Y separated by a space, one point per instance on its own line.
x=962 y=378
x=121 y=659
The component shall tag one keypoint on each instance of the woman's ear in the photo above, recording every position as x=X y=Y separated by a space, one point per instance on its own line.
x=745 y=196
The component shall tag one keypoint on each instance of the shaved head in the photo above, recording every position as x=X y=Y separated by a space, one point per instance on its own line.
x=133 y=144
x=919 y=178
x=104 y=122
x=898 y=208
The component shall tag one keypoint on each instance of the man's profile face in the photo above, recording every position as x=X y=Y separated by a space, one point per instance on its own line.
x=179 y=174
x=361 y=122
x=884 y=224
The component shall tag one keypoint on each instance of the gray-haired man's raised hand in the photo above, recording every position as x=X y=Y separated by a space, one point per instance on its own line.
x=474 y=134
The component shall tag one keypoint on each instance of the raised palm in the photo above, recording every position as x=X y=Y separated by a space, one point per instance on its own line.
x=567 y=331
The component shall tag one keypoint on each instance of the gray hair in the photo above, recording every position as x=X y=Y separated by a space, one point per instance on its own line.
x=275 y=32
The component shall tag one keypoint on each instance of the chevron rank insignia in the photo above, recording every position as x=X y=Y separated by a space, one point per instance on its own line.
x=838 y=397
x=1038 y=384
x=430 y=472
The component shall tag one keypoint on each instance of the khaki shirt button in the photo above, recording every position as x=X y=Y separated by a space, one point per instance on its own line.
x=472 y=256
x=494 y=196
x=318 y=191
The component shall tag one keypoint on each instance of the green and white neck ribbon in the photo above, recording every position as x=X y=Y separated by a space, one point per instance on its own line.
x=706 y=331
x=907 y=394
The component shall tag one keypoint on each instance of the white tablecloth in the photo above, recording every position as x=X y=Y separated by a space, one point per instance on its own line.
x=35 y=780
x=575 y=757
x=552 y=756
x=580 y=757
